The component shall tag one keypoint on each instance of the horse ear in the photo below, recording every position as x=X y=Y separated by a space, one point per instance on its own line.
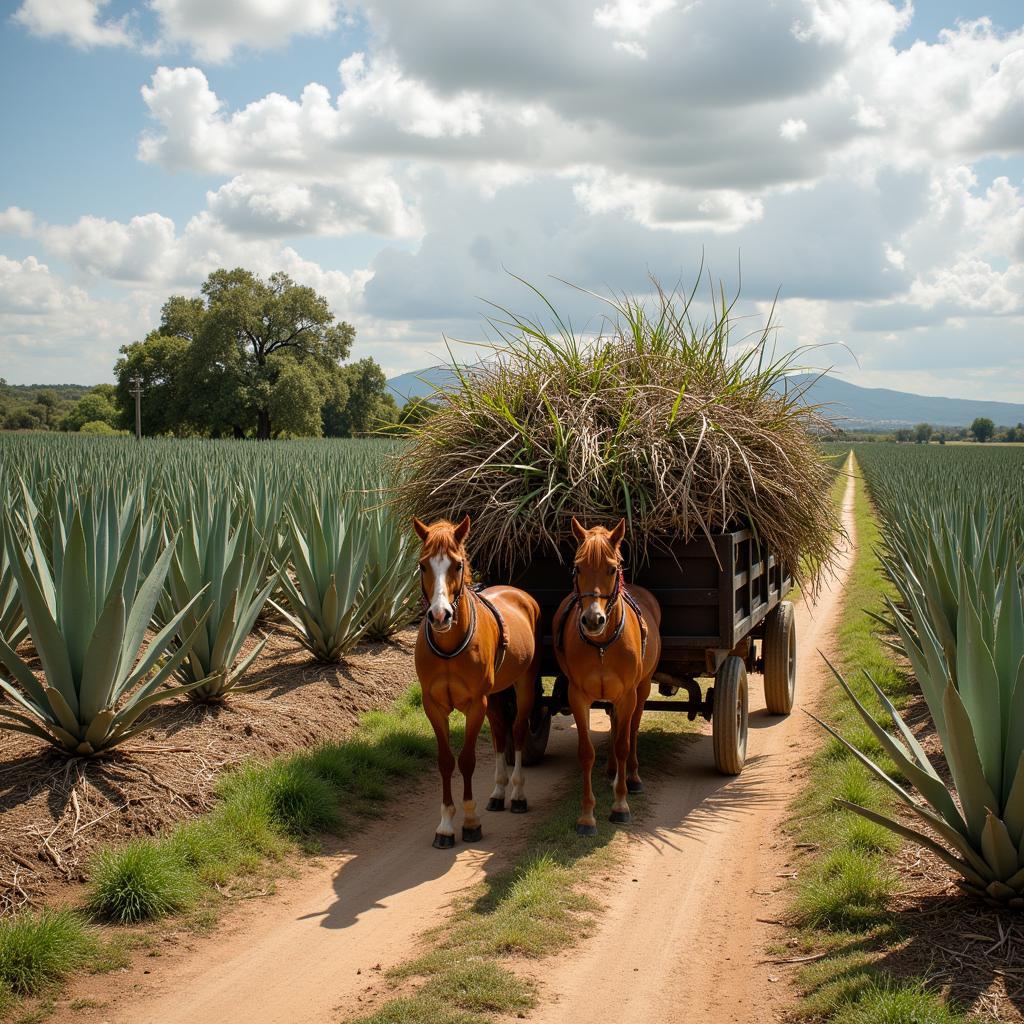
x=462 y=530
x=618 y=533
x=578 y=530
x=421 y=528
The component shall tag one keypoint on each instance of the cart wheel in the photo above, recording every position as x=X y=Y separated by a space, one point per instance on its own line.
x=779 y=650
x=729 y=716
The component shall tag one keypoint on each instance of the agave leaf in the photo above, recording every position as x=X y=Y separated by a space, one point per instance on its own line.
x=47 y=638
x=949 y=833
x=998 y=849
x=1013 y=809
x=1009 y=643
x=41 y=710
x=167 y=669
x=129 y=714
x=26 y=725
x=96 y=734
x=976 y=795
x=143 y=604
x=1014 y=746
x=62 y=711
x=918 y=837
x=102 y=658
x=11 y=660
x=927 y=783
x=159 y=642
x=220 y=656
x=978 y=686
x=76 y=607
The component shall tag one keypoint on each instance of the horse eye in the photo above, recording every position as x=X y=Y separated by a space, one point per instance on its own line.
x=611 y=571
x=423 y=568
x=458 y=565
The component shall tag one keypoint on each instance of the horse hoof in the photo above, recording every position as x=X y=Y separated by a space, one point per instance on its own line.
x=496 y=803
x=518 y=806
x=443 y=842
x=472 y=835
x=586 y=830
x=634 y=786
x=620 y=817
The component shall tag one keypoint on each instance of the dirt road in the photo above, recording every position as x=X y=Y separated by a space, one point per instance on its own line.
x=681 y=939
x=677 y=942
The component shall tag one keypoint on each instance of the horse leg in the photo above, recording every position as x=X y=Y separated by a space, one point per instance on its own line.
x=610 y=767
x=444 y=838
x=620 y=740
x=520 y=727
x=472 y=831
x=586 y=824
x=496 y=718
x=634 y=784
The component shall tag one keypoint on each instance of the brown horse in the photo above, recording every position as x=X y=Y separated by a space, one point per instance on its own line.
x=472 y=645
x=608 y=645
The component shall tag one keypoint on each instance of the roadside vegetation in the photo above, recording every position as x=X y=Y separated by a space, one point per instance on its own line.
x=840 y=901
x=266 y=812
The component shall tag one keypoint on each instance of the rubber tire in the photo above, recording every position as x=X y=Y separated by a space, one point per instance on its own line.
x=729 y=716
x=536 y=739
x=779 y=651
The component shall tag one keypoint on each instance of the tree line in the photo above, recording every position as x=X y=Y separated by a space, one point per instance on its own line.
x=248 y=357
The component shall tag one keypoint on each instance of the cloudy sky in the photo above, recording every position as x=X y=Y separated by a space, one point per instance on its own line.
x=863 y=159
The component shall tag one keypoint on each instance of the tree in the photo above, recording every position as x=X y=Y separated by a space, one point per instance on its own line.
x=159 y=361
x=88 y=409
x=365 y=405
x=923 y=433
x=48 y=402
x=904 y=434
x=247 y=347
x=983 y=429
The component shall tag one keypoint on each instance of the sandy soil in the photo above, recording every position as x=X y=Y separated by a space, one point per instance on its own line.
x=681 y=938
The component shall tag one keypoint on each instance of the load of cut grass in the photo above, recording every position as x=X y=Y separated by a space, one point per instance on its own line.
x=675 y=424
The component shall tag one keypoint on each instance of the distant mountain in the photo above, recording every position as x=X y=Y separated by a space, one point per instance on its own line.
x=854 y=406
x=420 y=383
x=848 y=404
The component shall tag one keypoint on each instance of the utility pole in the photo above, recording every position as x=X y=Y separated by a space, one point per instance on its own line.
x=136 y=392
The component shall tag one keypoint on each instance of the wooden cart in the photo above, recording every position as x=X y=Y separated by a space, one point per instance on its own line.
x=723 y=614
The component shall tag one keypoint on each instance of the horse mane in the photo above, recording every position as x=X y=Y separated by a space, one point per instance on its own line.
x=596 y=543
x=441 y=541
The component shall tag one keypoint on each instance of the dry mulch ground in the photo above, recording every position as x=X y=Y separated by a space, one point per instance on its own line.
x=55 y=812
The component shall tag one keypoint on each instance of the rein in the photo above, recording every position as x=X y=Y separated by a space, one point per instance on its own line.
x=619 y=595
x=475 y=595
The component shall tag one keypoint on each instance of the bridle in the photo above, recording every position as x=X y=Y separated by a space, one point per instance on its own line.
x=474 y=596
x=615 y=598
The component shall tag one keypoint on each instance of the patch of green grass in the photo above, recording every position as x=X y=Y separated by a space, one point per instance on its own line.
x=39 y=949
x=886 y=1003
x=298 y=800
x=480 y=986
x=846 y=891
x=139 y=881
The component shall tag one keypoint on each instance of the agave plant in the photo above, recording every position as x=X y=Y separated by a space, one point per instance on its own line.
x=964 y=637
x=88 y=619
x=390 y=574
x=219 y=551
x=329 y=553
x=13 y=627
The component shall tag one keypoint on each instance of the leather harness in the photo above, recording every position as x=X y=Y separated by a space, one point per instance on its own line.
x=475 y=593
x=619 y=594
